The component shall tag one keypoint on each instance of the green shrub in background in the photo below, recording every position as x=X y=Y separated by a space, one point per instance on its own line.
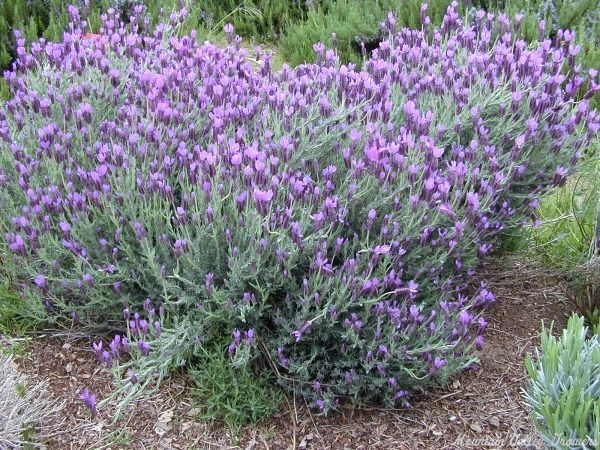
x=348 y=19
x=353 y=22
x=567 y=236
x=262 y=20
x=18 y=315
x=564 y=390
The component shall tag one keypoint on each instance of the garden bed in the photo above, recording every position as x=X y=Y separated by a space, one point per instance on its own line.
x=324 y=235
x=484 y=407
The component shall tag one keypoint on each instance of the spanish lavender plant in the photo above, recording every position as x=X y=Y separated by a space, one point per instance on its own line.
x=329 y=220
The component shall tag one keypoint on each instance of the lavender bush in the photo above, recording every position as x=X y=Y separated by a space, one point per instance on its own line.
x=328 y=220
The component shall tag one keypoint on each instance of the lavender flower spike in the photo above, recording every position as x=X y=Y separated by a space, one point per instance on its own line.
x=90 y=401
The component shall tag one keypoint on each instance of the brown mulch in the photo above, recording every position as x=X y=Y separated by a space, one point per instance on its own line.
x=480 y=409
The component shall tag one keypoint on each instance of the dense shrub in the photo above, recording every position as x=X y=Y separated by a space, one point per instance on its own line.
x=564 y=391
x=327 y=220
x=567 y=236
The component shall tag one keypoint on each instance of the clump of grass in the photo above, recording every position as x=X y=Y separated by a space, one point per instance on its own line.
x=18 y=316
x=232 y=394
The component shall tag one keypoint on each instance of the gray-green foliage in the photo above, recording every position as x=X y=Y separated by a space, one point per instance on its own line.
x=27 y=413
x=564 y=390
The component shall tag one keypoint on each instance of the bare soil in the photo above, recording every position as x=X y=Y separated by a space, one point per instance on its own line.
x=481 y=409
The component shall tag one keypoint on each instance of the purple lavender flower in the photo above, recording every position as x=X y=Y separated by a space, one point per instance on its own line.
x=40 y=281
x=132 y=376
x=560 y=176
x=180 y=247
x=228 y=29
x=17 y=244
x=249 y=337
x=298 y=334
x=88 y=279
x=140 y=231
x=209 y=282
x=479 y=342
x=484 y=298
x=89 y=400
x=144 y=348
x=261 y=196
x=439 y=363
x=115 y=346
x=106 y=358
x=98 y=349
x=445 y=208
x=65 y=227
x=382 y=250
x=464 y=318
x=143 y=326
x=482 y=323
x=473 y=202
x=382 y=350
